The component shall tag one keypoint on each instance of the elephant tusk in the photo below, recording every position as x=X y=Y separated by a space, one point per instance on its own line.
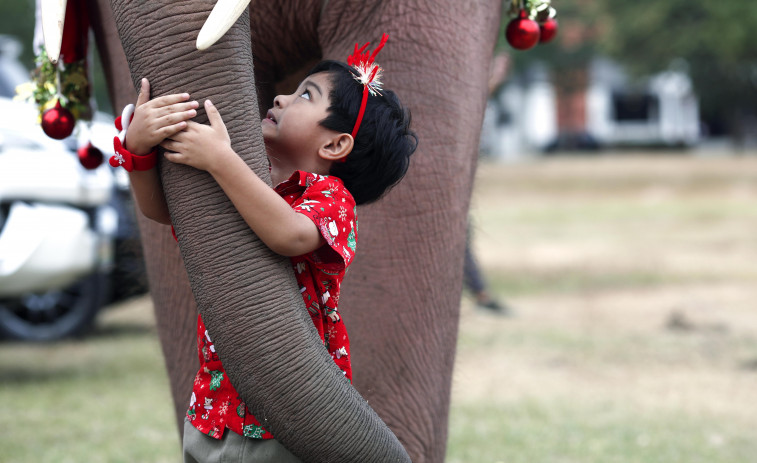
x=53 y=15
x=224 y=15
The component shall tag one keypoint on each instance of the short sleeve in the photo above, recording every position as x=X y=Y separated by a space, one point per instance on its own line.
x=332 y=209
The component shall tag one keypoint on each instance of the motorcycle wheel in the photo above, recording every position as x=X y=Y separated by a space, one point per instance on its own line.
x=53 y=314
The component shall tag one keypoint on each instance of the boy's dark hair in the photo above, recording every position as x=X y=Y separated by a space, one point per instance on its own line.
x=383 y=145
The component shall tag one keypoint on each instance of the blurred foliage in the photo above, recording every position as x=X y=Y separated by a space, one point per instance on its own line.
x=713 y=41
x=17 y=19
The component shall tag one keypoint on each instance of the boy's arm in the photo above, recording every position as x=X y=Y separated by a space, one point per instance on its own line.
x=148 y=192
x=280 y=227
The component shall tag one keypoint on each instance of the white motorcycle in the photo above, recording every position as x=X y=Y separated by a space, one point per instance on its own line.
x=57 y=229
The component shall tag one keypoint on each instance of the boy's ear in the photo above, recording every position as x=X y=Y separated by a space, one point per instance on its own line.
x=337 y=147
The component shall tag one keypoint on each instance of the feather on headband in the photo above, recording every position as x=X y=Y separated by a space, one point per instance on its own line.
x=368 y=73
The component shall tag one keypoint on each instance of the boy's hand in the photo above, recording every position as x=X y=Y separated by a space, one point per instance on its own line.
x=155 y=120
x=200 y=146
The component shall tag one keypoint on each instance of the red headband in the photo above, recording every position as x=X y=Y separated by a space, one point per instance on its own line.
x=368 y=74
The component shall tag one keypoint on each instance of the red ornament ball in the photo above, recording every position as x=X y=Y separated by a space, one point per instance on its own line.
x=522 y=33
x=58 y=122
x=548 y=30
x=90 y=157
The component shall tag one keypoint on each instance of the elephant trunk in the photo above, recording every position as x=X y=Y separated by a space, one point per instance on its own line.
x=246 y=294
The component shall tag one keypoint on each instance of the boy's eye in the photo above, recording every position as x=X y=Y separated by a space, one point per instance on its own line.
x=306 y=94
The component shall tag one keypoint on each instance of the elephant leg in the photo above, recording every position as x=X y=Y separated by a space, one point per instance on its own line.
x=401 y=297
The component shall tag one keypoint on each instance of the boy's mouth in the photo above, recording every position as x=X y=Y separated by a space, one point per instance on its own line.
x=269 y=116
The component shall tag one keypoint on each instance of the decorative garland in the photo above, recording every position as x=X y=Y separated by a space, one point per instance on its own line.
x=533 y=23
x=61 y=90
x=64 y=83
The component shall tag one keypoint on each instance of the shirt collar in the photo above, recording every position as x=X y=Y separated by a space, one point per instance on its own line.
x=299 y=178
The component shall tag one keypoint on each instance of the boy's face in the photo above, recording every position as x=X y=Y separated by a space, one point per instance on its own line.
x=291 y=129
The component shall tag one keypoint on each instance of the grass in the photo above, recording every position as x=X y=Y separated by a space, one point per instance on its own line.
x=100 y=399
x=535 y=430
x=634 y=336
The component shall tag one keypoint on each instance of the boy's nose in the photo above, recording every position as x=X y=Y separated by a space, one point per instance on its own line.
x=281 y=100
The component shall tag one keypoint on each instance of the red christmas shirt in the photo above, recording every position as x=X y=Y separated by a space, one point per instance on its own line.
x=215 y=404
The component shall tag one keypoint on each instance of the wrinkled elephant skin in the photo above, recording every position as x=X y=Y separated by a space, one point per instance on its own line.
x=400 y=299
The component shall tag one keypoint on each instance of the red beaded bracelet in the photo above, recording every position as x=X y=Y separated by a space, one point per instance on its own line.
x=130 y=161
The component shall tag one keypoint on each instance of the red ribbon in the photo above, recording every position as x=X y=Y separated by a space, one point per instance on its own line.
x=73 y=45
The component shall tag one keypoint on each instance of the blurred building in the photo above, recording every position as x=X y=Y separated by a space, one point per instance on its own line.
x=587 y=109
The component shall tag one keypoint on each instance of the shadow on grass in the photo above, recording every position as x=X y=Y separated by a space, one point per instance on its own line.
x=120 y=330
x=115 y=331
x=19 y=376
x=749 y=365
